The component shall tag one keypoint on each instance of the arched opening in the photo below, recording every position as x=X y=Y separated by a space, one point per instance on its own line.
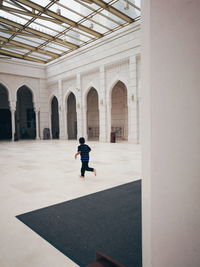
x=92 y=115
x=55 y=130
x=25 y=114
x=5 y=115
x=119 y=111
x=71 y=117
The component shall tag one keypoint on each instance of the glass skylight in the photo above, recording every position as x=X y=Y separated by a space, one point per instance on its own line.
x=56 y=27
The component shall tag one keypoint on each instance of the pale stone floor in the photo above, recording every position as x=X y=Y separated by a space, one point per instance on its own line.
x=36 y=174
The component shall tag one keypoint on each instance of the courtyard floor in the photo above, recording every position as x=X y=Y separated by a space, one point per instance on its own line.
x=36 y=174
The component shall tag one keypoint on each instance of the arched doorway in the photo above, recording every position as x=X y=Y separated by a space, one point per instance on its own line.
x=25 y=115
x=5 y=115
x=119 y=111
x=92 y=115
x=71 y=117
x=55 y=129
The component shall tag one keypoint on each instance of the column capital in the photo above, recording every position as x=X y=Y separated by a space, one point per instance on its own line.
x=78 y=76
x=60 y=83
x=12 y=105
x=36 y=108
x=102 y=68
x=133 y=58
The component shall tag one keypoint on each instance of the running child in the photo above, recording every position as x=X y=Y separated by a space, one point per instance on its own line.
x=83 y=151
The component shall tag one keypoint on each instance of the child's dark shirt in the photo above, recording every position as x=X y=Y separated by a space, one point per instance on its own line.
x=84 y=149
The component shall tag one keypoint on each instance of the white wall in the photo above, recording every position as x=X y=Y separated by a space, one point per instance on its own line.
x=171 y=133
x=100 y=65
x=15 y=73
x=116 y=47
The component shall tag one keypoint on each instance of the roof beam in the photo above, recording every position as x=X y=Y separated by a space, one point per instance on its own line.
x=60 y=17
x=5 y=52
x=84 y=18
x=133 y=5
x=113 y=10
x=30 y=14
x=97 y=12
x=29 y=47
x=38 y=33
x=17 y=4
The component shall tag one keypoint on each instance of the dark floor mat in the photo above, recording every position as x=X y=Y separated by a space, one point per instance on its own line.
x=108 y=221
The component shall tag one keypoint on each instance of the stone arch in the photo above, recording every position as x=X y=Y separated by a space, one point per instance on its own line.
x=25 y=120
x=71 y=115
x=6 y=86
x=115 y=82
x=34 y=100
x=5 y=114
x=119 y=110
x=92 y=101
x=55 y=128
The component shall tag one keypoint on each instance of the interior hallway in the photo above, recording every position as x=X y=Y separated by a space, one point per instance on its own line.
x=36 y=174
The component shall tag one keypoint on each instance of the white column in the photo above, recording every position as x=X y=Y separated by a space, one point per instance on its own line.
x=45 y=111
x=102 y=107
x=13 y=123
x=108 y=113
x=37 y=109
x=84 y=118
x=49 y=119
x=64 y=104
x=132 y=102
x=37 y=123
x=12 y=110
x=61 y=110
x=83 y=112
x=170 y=133
x=65 y=119
x=79 y=107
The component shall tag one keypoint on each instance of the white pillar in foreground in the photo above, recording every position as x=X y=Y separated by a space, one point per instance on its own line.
x=170 y=100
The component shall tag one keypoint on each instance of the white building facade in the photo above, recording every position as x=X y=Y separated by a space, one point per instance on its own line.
x=91 y=92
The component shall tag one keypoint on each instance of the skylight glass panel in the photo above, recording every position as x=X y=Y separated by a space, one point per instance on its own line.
x=66 y=13
x=94 y=26
x=13 y=17
x=5 y=35
x=46 y=27
x=54 y=50
x=14 y=50
x=58 y=48
x=28 y=41
x=40 y=56
x=112 y=16
x=106 y=20
x=42 y=2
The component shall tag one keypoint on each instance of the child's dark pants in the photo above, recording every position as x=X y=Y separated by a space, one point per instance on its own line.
x=85 y=167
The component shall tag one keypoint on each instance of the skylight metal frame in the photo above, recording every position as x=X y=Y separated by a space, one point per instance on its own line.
x=24 y=16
